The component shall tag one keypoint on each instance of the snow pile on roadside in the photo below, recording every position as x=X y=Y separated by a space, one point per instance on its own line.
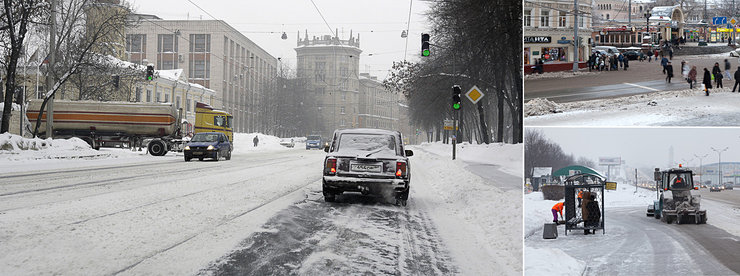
x=625 y=196
x=550 y=261
x=714 y=56
x=244 y=142
x=16 y=148
x=541 y=106
x=507 y=157
x=462 y=202
x=680 y=107
x=14 y=106
x=559 y=75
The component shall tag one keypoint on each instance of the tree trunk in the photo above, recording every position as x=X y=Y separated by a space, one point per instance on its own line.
x=483 y=126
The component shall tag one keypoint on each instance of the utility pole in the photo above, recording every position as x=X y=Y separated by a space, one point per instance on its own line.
x=719 y=152
x=575 y=36
x=635 y=180
x=701 y=170
x=49 y=75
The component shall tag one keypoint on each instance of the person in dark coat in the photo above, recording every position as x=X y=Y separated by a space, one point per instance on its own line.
x=707 y=81
x=256 y=140
x=737 y=79
x=650 y=55
x=663 y=63
x=717 y=75
x=626 y=63
x=728 y=66
x=669 y=72
x=592 y=218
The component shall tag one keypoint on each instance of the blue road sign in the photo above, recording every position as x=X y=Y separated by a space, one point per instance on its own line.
x=719 y=20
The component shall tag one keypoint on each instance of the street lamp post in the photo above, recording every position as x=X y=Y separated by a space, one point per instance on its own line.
x=719 y=152
x=701 y=170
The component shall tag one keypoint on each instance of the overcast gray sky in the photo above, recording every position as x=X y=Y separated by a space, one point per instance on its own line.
x=648 y=147
x=379 y=23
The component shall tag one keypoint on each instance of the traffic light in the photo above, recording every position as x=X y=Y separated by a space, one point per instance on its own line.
x=424 y=45
x=456 y=97
x=150 y=72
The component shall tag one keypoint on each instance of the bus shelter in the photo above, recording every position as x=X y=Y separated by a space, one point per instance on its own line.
x=577 y=209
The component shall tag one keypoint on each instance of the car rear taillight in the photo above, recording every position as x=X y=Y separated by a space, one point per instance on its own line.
x=331 y=166
x=400 y=169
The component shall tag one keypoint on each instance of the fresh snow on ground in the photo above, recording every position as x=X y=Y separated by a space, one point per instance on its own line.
x=688 y=107
x=551 y=261
x=506 y=156
x=465 y=203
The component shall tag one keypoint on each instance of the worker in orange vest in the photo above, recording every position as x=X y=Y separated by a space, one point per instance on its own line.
x=580 y=197
x=557 y=208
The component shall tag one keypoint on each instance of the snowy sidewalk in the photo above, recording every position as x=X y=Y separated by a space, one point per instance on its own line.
x=688 y=107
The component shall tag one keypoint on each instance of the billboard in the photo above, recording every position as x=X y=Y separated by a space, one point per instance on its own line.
x=606 y=161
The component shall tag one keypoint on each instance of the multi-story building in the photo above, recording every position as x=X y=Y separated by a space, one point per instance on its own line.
x=212 y=54
x=548 y=28
x=378 y=107
x=329 y=68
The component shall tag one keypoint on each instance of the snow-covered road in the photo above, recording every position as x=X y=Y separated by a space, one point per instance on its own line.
x=260 y=213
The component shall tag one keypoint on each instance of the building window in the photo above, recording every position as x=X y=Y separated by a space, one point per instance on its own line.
x=527 y=18
x=341 y=111
x=199 y=64
x=200 y=43
x=159 y=96
x=554 y=54
x=166 y=52
x=607 y=16
x=167 y=98
x=136 y=48
x=177 y=102
x=545 y=19
x=148 y=95
x=188 y=105
x=562 y=19
x=320 y=71
x=138 y=94
x=199 y=69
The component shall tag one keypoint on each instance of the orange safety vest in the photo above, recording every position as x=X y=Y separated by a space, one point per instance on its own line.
x=559 y=207
x=580 y=194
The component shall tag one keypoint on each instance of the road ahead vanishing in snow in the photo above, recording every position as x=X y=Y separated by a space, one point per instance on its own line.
x=261 y=213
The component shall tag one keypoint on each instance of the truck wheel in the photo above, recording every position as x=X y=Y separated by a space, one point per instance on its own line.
x=329 y=197
x=187 y=159
x=157 y=148
x=228 y=155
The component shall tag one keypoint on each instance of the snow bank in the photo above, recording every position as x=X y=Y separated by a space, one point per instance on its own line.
x=541 y=106
x=680 y=107
x=243 y=142
x=559 y=75
x=550 y=261
x=462 y=202
x=14 y=107
x=17 y=148
x=507 y=157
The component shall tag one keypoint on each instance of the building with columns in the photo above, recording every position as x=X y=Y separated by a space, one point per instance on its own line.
x=548 y=28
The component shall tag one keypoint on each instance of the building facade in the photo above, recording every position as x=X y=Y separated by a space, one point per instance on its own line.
x=329 y=68
x=548 y=28
x=211 y=54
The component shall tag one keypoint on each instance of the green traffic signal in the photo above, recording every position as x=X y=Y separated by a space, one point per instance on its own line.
x=425 y=53
x=456 y=106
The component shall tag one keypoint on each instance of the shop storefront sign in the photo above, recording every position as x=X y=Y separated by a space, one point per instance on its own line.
x=537 y=39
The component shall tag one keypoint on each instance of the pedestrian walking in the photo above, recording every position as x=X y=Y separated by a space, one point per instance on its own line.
x=669 y=71
x=626 y=63
x=620 y=57
x=737 y=79
x=255 y=140
x=707 y=81
x=715 y=73
x=727 y=69
x=692 y=77
x=650 y=56
x=655 y=53
x=664 y=62
x=670 y=52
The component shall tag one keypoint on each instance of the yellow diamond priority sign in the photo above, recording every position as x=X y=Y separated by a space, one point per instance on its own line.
x=733 y=21
x=474 y=94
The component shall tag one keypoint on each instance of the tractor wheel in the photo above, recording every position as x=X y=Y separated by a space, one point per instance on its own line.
x=658 y=216
x=703 y=219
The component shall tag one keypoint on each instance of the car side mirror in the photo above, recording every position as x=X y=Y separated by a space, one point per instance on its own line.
x=409 y=153
x=326 y=148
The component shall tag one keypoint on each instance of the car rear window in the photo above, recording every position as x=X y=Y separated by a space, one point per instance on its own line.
x=377 y=144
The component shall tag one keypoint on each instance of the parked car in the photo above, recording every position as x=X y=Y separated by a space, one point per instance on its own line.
x=609 y=49
x=735 y=53
x=287 y=142
x=313 y=142
x=208 y=145
x=633 y=55
x=369 y=161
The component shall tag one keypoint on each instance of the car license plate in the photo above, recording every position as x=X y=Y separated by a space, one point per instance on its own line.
x=197 y=153
x=365 y=167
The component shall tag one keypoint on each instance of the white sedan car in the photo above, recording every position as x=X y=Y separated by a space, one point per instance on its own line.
x=287 y=142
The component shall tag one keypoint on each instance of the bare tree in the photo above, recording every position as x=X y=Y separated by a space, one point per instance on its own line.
x=17 y=15
x=88 y=32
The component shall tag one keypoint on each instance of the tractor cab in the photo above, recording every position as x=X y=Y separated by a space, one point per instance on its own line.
x=674 y=200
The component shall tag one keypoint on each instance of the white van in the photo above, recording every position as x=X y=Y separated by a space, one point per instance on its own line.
x=609 y=49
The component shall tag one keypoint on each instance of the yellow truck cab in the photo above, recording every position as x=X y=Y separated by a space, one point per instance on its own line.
x=208 y=119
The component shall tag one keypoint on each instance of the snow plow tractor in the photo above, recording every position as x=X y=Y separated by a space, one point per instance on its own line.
x=675 y=202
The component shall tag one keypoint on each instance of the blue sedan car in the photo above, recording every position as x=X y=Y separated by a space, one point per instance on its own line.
x=208 y=145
